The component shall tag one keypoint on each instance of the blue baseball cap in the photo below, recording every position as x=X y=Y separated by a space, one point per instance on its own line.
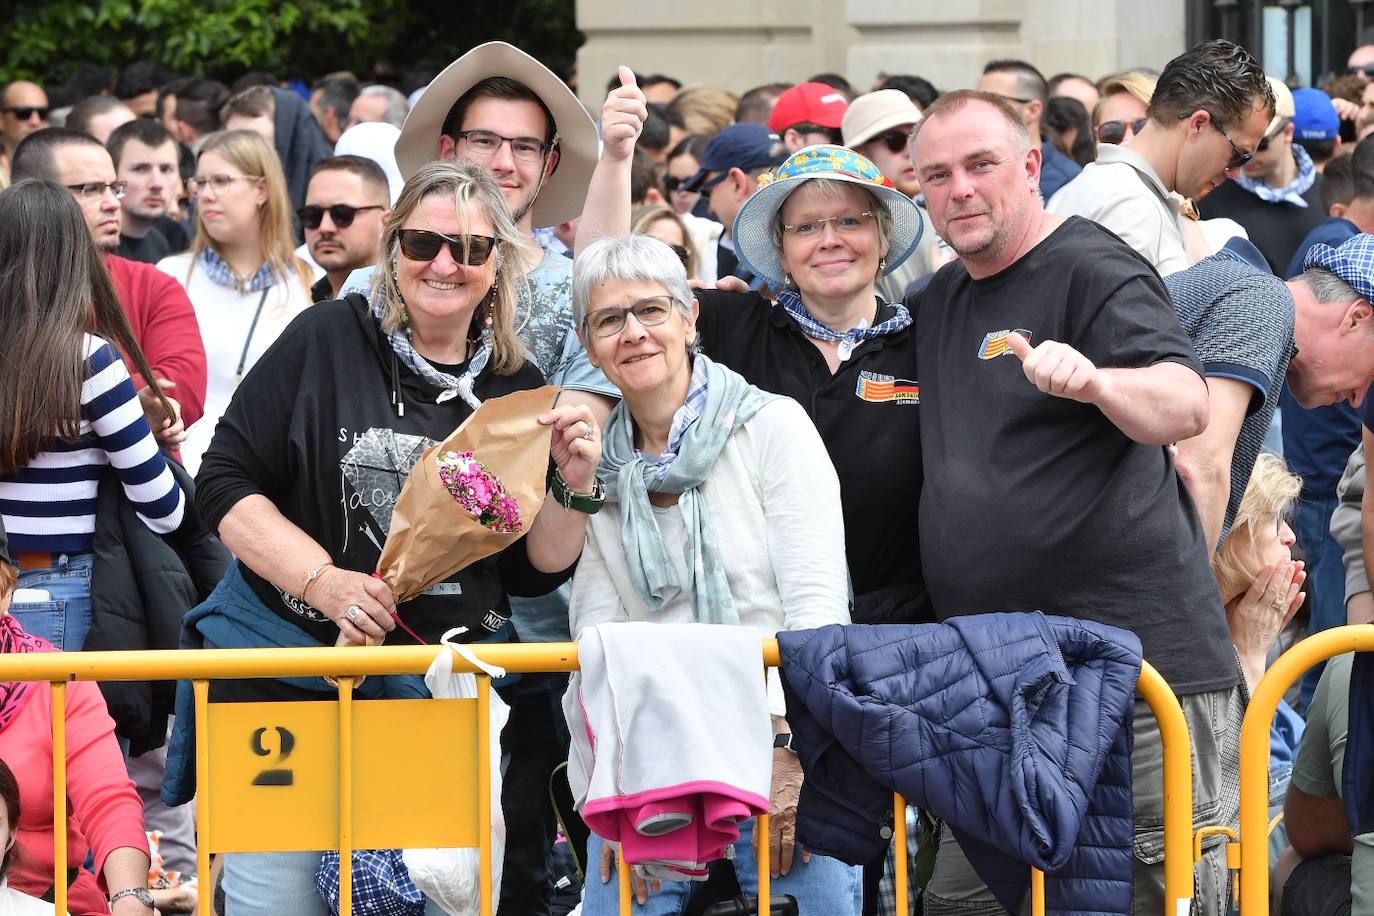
x=1314 y=116
x=1353 y=262
x=742 y=146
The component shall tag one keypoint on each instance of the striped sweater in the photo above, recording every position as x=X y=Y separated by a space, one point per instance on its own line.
x=50 y=504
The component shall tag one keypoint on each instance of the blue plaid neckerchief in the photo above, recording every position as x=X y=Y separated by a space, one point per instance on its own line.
x=219 y=271
x=1293 y=193
x=685 y=416
x=452 y=387
x=790 y=301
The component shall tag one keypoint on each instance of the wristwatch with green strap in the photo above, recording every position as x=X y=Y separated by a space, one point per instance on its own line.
x=590 y=503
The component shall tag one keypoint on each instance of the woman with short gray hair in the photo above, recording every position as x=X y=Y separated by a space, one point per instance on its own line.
x=722 y=507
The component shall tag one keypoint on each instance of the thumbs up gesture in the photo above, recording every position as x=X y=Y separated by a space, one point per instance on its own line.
x=1058 y=369
x=622 y=117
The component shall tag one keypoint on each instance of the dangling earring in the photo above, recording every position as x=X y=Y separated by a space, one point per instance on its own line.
x=787 y=280
x=491 y=302
x=882 y=264
x=405 y=314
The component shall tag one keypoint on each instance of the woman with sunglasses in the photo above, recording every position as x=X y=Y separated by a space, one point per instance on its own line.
x=241 y=274
x=722 y=508
x=308 y=460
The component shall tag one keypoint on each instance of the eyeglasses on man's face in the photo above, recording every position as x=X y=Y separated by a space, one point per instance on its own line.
x=89 y=190
x=26 y=112
x=1238 y=156
x=312 y=216
x=483 y=144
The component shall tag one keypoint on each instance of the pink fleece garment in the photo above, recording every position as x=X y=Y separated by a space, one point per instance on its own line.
x=709 y=813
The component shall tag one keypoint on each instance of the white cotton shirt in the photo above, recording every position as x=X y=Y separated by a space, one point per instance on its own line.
x=225 y=316
x=774 y=502
x=15 y=903
x=1122 y=193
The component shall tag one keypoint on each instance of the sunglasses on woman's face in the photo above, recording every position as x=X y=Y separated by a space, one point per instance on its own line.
x=341 y=214
x=672 y=184
x=1115 y=131
x=422 y=245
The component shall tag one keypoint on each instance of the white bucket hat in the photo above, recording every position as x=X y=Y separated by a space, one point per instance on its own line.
x=564 y=193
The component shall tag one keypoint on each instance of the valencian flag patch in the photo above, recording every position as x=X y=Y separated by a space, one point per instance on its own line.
x=879 y=388
x=995 y=342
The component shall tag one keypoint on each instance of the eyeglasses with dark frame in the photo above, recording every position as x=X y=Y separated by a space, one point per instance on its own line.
x=1263 y=145
x=423 y=245
x=24 y=112
x=650 y=311
x=92 y=189
x=1238 y=158
x=1115 y=131
x=312 y=216
x=485 y=143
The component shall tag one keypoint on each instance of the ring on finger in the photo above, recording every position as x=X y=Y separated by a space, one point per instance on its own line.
x=589 y=431
x=353 y=613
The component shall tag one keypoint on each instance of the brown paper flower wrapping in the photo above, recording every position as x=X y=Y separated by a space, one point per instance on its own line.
x=432 y=536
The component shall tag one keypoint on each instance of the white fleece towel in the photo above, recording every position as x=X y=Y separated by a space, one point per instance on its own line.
x=671 y=740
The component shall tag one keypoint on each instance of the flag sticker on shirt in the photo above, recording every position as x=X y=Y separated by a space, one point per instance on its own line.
x=995 y=342
x=880 y=388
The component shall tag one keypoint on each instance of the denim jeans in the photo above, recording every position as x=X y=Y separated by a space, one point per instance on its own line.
x=824 y=886
x=1325 y=575
x=64 y=619
x=274 y=883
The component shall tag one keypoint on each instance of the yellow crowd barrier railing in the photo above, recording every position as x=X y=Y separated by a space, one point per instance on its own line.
x=1254 y=752
x=285 y=776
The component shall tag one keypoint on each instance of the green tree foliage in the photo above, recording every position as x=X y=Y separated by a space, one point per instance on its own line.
x=47 y=40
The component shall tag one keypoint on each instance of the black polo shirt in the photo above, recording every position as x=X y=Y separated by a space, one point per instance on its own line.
x=867 y=413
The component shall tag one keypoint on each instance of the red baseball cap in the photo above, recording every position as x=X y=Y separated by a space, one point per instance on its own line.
x=808 y=103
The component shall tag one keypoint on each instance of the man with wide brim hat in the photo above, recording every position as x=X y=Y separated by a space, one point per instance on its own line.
x=503 y=110
x=433 y=127
x=753 y=229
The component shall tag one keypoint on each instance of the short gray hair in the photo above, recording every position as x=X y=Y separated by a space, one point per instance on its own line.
x=640 y=258
x=1326 y=286
x=396 y=105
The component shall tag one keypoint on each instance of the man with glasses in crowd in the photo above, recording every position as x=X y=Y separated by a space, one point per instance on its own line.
x=807 y=114
x=1210 y=108
x=23 y=110
x=1277 y=195
x=345 y=203
x=1025 y=89
x=160 y=315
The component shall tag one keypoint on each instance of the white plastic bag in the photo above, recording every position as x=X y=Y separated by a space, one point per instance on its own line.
x=451 y=877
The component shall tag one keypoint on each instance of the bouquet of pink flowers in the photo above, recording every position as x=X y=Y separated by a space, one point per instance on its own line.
x=479 y=491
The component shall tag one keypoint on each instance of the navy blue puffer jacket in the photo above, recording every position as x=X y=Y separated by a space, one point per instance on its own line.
x=1014 y=729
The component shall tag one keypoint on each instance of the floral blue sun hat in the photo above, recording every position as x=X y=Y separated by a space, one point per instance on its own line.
x=753 y=229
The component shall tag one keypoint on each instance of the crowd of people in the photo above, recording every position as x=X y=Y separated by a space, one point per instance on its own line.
x=1099 y=348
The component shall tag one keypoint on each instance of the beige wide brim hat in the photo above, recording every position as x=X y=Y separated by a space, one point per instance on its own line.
x=564 y=193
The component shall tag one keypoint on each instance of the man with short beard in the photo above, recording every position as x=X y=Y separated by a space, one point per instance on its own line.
x=160 y=315
x=1053 y=374
x=145 y=156
x=345 y=203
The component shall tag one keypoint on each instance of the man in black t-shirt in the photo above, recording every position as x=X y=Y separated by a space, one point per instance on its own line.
x=145 y=156
x=1053 y=375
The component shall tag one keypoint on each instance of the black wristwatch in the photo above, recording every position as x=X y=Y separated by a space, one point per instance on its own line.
x=140 y=894
x=589 y=503
x=784 y=741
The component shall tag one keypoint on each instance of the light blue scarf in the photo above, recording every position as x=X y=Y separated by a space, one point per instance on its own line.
x=461 y=387
x=730 y=402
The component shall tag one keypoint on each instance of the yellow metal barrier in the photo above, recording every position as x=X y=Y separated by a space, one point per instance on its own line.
x=1254 y=752
x=357 y=823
